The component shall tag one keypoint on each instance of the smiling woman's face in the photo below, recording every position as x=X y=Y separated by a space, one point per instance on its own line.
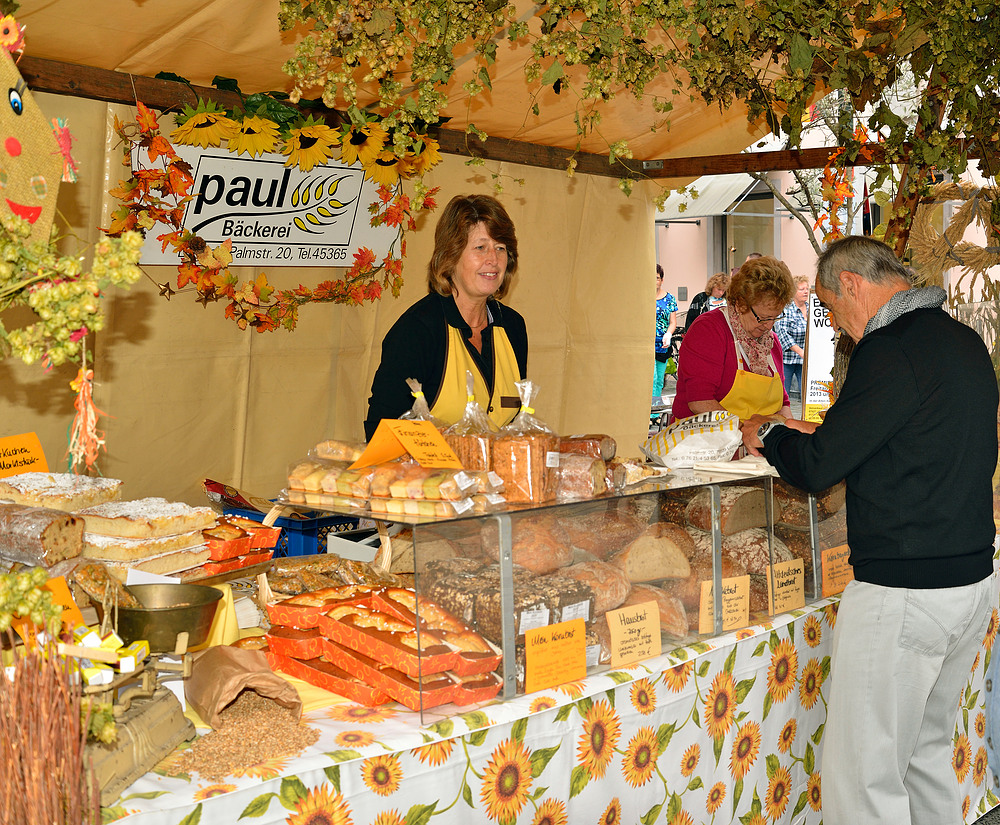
x=481 y=269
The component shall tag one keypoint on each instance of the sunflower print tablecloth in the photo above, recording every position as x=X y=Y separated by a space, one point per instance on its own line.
x=724 y=731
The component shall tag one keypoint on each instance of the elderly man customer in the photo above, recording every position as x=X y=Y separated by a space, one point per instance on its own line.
x=913 y=432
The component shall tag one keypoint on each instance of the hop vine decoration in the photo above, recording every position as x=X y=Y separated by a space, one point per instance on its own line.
x=22 y=595
x=64 y=297
x=160 y=193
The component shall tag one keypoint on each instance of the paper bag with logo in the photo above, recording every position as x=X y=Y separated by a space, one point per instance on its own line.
x=220 y=674
x=708 y=436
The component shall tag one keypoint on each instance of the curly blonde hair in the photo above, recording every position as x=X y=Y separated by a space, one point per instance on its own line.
x=759 y=279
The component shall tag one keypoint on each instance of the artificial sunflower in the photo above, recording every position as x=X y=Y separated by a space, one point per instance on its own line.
x=551 y=812
x=382 y=774
x=321 y=806
x=11 y=34
x=506 y=781
x=813 y=631
x=213 y=790
x=961 y=757
x=676 y=677
x=254 y=136
x=601 y=732
x=690 y=760
x=435 y=753
x=640 y=757
x=814 y=792
x=643 y=696
x=310 y=144
x=362 y=144
x=354 y=738
x=787 y=735
x=979 y=767
x=205 y=126
x=612 y=814
x=720 y=705
x=385 y=169
x=425 y=158
x=360 y=713
x=782 y=671
x=716 y=796
x=779 y=789
x=542 y=703
x=746 y=746
x=810 y=683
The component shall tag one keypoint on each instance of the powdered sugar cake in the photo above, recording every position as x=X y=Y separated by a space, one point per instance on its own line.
x=59 y=491
x=146 y=518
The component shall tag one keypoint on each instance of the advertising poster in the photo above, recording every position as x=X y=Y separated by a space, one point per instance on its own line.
x=817 y=369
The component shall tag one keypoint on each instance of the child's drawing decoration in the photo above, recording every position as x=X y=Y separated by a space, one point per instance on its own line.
x=31 y=159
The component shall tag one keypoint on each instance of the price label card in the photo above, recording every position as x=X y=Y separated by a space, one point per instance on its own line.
x=421 y=439
x=21 y=454
x=635 y=633
x=735 y=605
x=789 y=590
x=554 y=655
x=837 y=571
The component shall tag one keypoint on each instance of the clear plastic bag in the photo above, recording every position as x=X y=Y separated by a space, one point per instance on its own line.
x=420 y=411
x=526 y=454
x=471 y=437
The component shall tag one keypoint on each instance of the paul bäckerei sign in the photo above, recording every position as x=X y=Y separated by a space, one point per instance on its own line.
x=277 y=215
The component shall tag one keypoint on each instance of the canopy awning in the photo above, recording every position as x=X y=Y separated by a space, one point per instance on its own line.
x=716 y=195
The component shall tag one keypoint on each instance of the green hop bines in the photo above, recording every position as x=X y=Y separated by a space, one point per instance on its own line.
x=64 y=297
x=21 y=595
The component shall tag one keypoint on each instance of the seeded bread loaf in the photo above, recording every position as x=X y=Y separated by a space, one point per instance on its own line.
x=39 y=535
x=527 y=465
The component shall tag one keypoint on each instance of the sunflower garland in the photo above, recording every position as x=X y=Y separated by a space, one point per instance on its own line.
x=160 y=193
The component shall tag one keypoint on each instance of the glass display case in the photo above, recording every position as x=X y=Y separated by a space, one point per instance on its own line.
x=525 y=597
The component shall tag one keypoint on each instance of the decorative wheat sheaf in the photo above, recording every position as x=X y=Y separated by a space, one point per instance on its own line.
x=318 y=204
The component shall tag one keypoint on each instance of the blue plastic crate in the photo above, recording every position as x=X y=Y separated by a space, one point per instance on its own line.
x=301 y=536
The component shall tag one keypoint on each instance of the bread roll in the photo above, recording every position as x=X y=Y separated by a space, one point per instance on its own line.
x=39 y=535
x=673 y=616
x=740 y=509
x=660 y=552
x=609 y=583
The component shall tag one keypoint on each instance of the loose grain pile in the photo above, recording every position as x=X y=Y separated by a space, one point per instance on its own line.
x=253 y=730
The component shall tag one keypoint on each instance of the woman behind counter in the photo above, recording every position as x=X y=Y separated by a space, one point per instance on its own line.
x=460 y=325
x=731 y=359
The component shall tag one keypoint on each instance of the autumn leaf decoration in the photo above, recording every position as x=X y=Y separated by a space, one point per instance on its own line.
x=837 y=187
x=157 y=195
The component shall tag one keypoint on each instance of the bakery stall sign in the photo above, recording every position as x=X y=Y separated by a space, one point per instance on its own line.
x=276 y=215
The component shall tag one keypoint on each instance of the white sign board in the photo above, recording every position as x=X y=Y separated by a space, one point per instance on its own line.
x=817 y=371
x=276 y=215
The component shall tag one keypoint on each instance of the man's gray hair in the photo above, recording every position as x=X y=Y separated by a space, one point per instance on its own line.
x=868 y=257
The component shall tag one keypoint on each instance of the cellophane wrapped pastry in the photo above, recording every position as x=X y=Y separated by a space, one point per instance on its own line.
x=526 y=454
x=471 y=437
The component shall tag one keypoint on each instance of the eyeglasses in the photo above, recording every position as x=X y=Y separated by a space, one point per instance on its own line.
x=763 y=320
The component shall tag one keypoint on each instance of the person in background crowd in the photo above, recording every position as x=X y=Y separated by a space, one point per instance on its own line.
x=713 y=297
x=791 y=331
x=730 y=359
x=460 y=324
x=666 y=323
x=753 y=256
x=914 y=434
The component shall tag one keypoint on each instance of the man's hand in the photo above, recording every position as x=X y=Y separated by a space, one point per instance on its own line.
x=749 y=429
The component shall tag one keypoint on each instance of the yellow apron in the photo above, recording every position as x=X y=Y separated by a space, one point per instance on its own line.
x=752 y=394
x=452 y=397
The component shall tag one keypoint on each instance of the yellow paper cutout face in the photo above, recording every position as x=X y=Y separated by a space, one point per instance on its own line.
x=30 y=160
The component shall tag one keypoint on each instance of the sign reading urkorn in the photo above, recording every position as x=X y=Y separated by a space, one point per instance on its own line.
x=277 y=215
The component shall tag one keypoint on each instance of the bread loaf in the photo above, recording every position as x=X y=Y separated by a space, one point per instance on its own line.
x=539 y=543
x=602 y=533
x=660 y=552
x=39 y=535
x=673 y=616
x=689 y=590
x=740 y=509
x=596 y=445
x=581 y=477
x=146 y=518
x=474 y=450
x=59 y=491
x=800 y=546
x=749 y=548
x=608 y=583
x=527 y=463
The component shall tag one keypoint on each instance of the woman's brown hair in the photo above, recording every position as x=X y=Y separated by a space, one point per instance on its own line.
x=760 y=278
x=451 y=235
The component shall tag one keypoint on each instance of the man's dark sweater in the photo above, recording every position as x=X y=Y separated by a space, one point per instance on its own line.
x=914 y=432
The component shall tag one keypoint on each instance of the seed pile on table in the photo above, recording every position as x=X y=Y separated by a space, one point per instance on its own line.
x=253 y=730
